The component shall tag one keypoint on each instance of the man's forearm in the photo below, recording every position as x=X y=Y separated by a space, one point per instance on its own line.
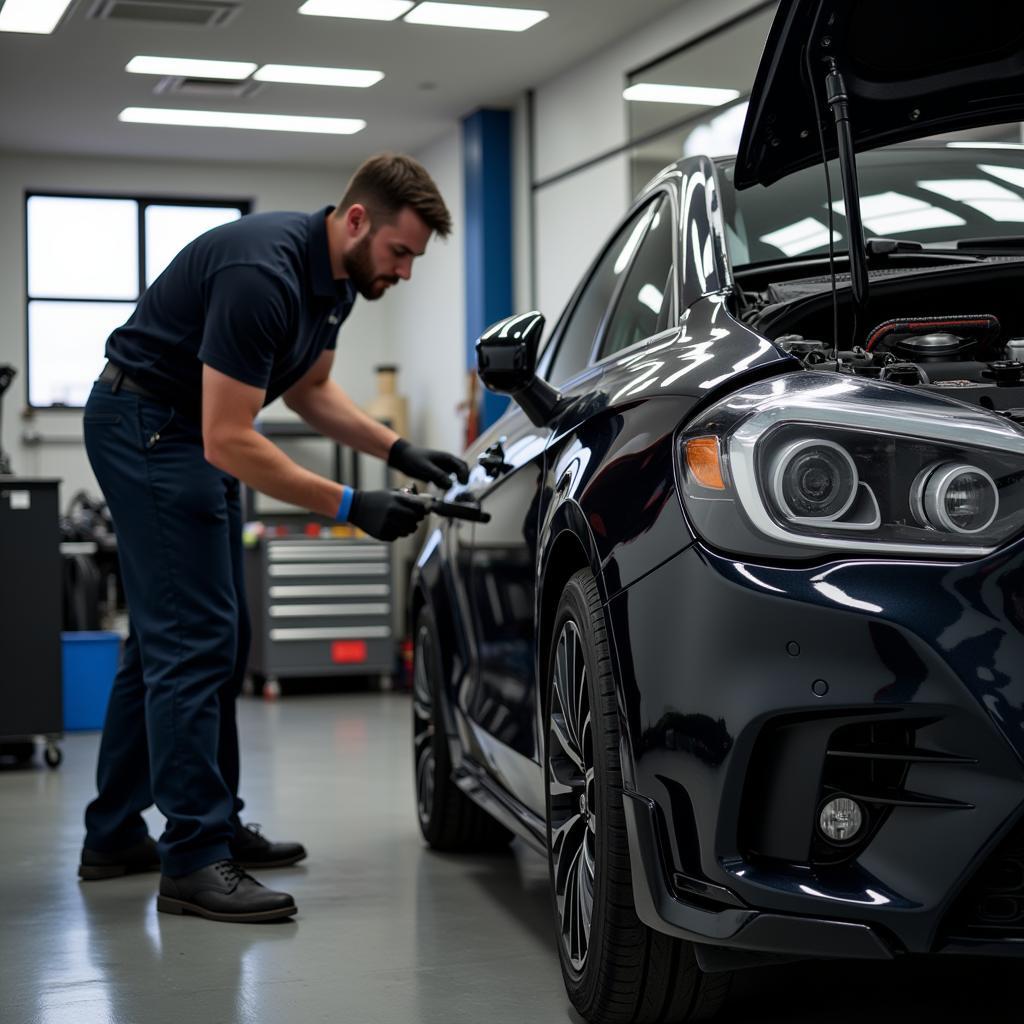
x=260 y=464
x=327 y=409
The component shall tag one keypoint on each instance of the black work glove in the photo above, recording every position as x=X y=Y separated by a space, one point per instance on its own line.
x=425 y=464
x=386 y=515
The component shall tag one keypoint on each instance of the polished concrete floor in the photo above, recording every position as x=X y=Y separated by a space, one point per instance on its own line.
x=387 y=932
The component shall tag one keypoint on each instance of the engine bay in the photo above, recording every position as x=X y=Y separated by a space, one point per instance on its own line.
x=958 y=332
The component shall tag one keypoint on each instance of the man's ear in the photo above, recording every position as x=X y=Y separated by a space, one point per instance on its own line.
x=357 y=219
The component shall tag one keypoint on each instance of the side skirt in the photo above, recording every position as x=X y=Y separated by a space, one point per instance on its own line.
x=482 y=790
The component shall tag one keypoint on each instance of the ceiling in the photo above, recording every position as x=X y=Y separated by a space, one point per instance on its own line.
x=63 y=92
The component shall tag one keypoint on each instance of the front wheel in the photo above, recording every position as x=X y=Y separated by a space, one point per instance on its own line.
x=616 y=969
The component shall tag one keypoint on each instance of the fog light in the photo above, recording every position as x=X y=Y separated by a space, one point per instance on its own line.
x=841 y=819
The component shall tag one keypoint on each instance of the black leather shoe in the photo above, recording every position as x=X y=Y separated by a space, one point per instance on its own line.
x=131 y=861
x=252 y=849
x=223 y=892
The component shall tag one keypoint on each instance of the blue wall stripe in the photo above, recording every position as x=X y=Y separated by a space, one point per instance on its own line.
x=487 y=172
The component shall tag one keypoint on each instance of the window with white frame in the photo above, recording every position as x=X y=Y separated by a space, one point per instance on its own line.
x=88 y=261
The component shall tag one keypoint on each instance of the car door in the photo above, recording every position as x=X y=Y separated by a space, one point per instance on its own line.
x=498 y=697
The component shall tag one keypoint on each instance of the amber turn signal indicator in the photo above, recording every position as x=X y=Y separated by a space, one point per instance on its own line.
x=704 y=462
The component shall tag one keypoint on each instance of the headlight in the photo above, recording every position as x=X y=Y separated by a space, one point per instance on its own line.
x=820 y=461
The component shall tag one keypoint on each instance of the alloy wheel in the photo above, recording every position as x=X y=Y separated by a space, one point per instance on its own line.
x=572 y=796
x=423 y=725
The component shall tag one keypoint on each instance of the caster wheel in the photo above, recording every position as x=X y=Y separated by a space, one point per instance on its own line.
x=248 y=686
x=271 y=689
x=53 y=755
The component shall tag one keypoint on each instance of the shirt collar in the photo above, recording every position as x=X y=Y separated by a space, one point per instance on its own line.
x=320 y=274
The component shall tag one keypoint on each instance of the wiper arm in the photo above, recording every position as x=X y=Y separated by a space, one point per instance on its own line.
x=998 y=242
x=879 y=248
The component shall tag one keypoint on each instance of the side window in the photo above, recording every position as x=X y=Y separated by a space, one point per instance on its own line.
x=644 y=302
x=585 y=320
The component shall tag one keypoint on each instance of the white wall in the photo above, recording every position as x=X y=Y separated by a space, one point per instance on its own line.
x=580 y=115
x=426 y=316
x=362 y=343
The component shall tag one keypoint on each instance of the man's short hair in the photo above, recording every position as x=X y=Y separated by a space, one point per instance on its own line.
x=386 y=183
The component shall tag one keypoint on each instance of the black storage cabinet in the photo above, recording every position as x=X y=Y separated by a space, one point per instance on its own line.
x=31 y=702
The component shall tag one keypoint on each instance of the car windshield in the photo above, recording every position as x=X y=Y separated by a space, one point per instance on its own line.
x=938 y=196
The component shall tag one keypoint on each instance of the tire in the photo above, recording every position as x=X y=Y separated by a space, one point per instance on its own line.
x=616 y=969
x=448 y=819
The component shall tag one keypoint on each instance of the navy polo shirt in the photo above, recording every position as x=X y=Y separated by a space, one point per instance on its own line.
x=254 y=299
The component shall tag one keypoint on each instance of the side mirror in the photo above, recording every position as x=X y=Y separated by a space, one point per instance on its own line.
x=506 y=360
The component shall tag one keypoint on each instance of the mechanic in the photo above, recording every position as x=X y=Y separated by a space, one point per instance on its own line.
x=246 y=313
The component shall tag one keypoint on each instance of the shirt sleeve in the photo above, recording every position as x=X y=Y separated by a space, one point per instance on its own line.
x=247 y=323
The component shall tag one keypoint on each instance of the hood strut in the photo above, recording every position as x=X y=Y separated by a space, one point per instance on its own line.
x=835 y=91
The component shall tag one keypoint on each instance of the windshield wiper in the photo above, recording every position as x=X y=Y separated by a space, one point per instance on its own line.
x=879 y=248
x=998 y=243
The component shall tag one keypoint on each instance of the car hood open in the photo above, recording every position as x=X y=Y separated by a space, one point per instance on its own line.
x=912 y=68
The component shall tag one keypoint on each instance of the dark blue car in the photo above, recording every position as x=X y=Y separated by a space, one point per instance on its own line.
x=739 y=643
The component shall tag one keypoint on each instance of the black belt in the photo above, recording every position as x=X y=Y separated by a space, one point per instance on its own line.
x=120 y=381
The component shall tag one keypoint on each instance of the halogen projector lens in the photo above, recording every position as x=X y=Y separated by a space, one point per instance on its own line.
x=813 y=479
x=841 y=819
x=958 y=498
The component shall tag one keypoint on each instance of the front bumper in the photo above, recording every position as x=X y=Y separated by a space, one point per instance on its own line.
x=752 y=693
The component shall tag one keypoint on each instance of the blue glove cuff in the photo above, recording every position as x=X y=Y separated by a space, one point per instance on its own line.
x=347 y=494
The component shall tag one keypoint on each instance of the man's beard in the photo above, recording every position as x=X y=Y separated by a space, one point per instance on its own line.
x=360 y=270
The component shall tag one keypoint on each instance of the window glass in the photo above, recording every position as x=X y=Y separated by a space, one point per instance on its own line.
x=65 y=348
x=170 y=228
x=83 y=248
x=936 y=196
x=585 y=320
x=85 y=270
x=644 y=301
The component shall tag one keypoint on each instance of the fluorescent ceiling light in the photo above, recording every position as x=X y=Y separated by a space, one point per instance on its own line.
x=695 y=95
x=228 y=119
x=1014 y=175
x=985 y=145
x=38 y=16
x=803 y=236
x=892 y=213
x=303 y=75
x=369 y=10
x=502 y=19
x=186 y=67
x=651 y=298
x=988 y=198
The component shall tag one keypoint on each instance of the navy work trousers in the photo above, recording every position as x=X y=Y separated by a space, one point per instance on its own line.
x=169 y=736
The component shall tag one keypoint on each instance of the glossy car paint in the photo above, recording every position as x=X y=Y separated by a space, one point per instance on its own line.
x=716 y=658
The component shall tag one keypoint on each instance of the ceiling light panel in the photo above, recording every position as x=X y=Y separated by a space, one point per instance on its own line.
x=186 y=67
x=39 y=17
x=694 y=95
x=298 y=74
x=252 y=122
x=368 y=10
x=502 y=19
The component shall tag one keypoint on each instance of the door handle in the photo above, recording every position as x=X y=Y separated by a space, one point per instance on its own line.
x=493 y=460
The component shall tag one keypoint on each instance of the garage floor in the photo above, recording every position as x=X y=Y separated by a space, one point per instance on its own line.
x=387 y=932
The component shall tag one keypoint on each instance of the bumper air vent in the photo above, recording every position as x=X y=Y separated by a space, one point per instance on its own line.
x=992 y=904
x=869 y=762
x=801 y=762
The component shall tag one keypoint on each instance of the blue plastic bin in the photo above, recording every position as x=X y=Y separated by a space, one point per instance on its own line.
x=90 y=664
